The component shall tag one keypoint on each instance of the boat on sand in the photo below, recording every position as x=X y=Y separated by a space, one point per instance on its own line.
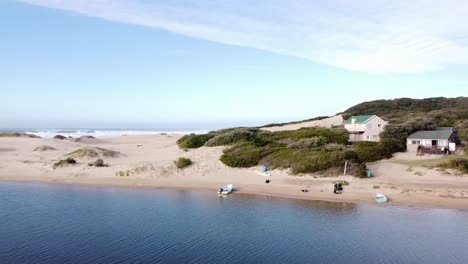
x=380 y=198
x=225 y=190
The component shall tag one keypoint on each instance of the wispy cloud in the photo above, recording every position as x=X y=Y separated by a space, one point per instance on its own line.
x=364 y=35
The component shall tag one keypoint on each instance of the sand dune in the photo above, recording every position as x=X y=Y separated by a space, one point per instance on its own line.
x=147 y=161
x=327 y=122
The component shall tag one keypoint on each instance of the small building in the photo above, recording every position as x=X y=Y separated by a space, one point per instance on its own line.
x=364 y=127
x=437 y=141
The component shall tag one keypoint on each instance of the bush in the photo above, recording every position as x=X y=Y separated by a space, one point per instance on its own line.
x=460 y=164
x=402 y=131
x=368 y=151
x=352 y=155
x=233 y=136
x=331 y=135
x=308 y=143
x=462 y=131
x=246 y=154
x=361 y=170
x=61 y=163
x=333 y=147
x=181 y=163
x=193 y=141
x=372 y=151
x=389 y=146
x=98 y=163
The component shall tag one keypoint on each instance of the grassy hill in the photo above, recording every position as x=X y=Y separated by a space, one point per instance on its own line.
x=325 y=150
x=407 y=115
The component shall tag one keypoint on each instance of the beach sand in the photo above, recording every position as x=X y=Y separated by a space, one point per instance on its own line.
x=148 y=162
x=326 y=122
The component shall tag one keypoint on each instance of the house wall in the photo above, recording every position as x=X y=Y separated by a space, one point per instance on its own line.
x=412 y=144
x=371 y=130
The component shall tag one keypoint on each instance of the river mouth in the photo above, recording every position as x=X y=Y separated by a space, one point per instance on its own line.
x=47 y=223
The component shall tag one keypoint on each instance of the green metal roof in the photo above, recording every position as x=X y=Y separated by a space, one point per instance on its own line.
x=359 y=119
x=432 y=134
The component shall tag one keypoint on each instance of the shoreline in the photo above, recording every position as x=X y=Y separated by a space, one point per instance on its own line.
x=297 y=197
x=149 y=163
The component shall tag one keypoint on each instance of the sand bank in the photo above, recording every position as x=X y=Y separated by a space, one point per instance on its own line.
x=147 y=162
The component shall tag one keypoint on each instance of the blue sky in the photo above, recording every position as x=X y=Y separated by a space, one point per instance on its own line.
x=193 y=64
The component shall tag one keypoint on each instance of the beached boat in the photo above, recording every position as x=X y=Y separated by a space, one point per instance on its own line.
x=225 y=190
x=380 y=198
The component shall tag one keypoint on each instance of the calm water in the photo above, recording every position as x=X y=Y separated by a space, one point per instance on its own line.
x=42 y=223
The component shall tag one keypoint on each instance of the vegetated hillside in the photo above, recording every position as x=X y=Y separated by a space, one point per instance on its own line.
x=407 y=115
x=306 y=150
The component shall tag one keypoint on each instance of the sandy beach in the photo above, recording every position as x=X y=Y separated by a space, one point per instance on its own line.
x=148 y=162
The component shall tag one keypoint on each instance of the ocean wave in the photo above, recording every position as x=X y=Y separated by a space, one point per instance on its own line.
x=50 y=133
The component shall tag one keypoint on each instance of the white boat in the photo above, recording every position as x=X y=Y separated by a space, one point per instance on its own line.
x=380 y=198
x=225 y=190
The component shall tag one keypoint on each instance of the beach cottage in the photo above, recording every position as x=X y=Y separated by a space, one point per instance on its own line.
x=364 y=127
x=436 y=141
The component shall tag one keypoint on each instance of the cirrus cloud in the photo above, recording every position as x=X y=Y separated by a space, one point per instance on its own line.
x=362 y=35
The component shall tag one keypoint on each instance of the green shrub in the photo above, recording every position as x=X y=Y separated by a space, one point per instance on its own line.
x=403 y=130
x=389 y=146
x=361 y=170
x=460 y=164
x=83 y=153
x=372 y=151
x=233 y=136
x=367 y=150
x=246 y=154
x=181 y=163
x=352 y=155
x=308 y=143
x=193 y=141
x=462 y=131
x=333 y=147
x=331 y=135
x=61 y=163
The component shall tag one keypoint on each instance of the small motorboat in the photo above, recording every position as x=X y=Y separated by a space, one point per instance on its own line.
x=225 y=190
x=380 y=198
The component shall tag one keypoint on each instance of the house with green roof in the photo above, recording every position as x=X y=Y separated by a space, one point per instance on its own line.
x=364 y=127
x=441 y=138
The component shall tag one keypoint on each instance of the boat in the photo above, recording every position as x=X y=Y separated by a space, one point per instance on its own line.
x=225 y=190
x=380 y=198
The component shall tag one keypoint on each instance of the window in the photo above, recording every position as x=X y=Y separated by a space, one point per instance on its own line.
x=368 y=137
x=415 y=142
x=369 y=126
x=379 y=125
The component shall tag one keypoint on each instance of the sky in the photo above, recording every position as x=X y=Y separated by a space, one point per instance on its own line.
x=201 y=63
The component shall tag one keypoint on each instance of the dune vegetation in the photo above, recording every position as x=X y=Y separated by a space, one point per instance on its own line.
x=407 y=115
x=182 y=163
x=305 y=150
x=63 y=162
x=93 y=153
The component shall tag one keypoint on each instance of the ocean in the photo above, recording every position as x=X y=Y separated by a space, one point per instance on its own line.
x=46 y=223
x=103 y=133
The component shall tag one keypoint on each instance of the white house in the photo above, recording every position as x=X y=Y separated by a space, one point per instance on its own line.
x=441 y=138
x=364 y=127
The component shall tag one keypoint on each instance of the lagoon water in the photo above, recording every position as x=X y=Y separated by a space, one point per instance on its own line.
x=42 y=223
